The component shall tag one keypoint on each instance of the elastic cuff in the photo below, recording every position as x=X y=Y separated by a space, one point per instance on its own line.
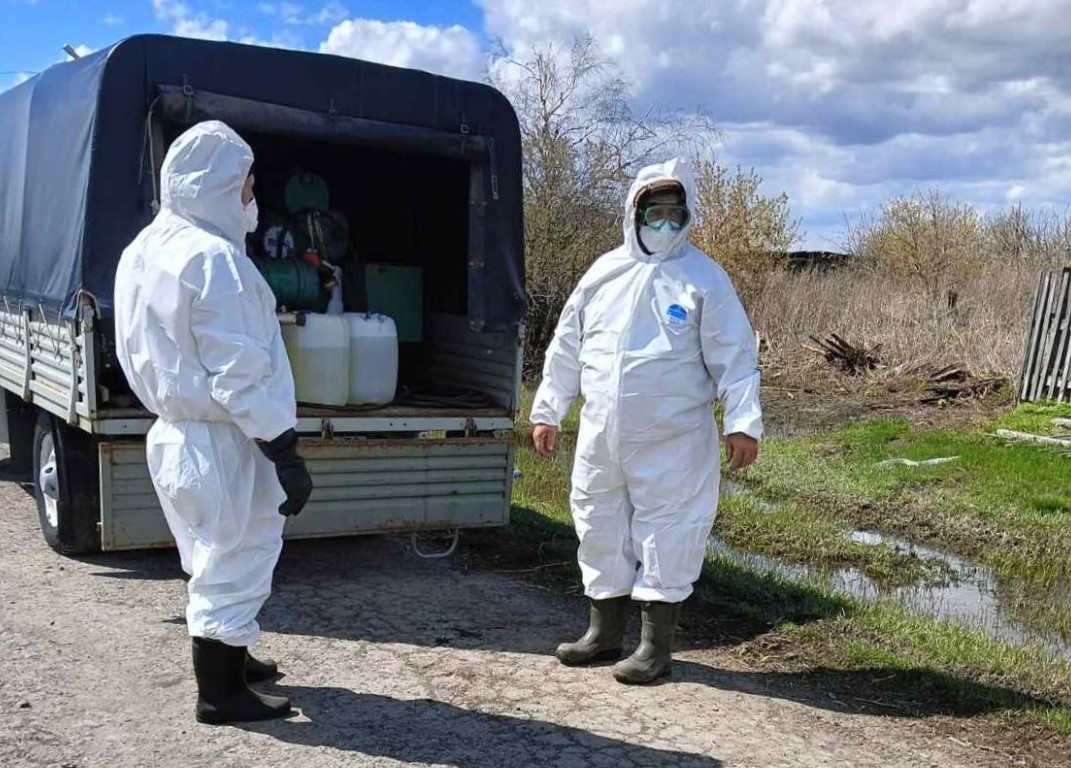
x=201 y=626
x=272 y=428
x=653 y=595
x=606 y=594
x=543 y=418
x=752 y=427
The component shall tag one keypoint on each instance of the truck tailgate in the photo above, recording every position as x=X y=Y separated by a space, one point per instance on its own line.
x=361 y=486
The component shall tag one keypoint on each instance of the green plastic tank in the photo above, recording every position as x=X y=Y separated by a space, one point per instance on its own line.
x=296 y=285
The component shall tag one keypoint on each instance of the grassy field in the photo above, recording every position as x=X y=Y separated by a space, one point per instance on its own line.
x=1006 y=505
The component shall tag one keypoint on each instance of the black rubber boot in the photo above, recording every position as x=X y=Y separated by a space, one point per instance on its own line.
x=654 y=657
x=605 y=636
x=259 y=670
x=222 y=693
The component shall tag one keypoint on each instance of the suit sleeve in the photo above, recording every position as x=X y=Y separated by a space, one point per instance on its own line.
x=561 y=366
x=731 y=359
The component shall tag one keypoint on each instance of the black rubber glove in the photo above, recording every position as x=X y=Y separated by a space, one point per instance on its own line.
x=291 y=470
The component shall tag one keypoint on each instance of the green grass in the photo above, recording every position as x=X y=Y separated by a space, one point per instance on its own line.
x=959 y=666
x=1035 y=418
x=801 y=535
x=990 y=492
x=1006 y=505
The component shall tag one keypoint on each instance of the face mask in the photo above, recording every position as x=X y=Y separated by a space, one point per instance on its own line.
x=658 y=239
x=252 y=215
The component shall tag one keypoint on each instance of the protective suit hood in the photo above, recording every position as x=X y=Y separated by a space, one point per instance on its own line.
x=202 y=177
x=653 y=176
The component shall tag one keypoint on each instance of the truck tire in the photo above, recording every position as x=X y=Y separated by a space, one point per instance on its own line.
x=66 y=486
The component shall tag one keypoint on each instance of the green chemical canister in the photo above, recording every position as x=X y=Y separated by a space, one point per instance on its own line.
x=296 y=284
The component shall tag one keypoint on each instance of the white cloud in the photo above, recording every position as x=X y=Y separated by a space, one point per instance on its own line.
x=187 y=23
x=844 y=102
x=330 y=14
x=111 y=20
x=453 y=51
x=295 y=14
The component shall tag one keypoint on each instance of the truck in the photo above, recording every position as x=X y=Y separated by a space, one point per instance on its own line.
x=425 y=169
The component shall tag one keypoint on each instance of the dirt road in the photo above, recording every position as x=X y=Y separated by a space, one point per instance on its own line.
x=392 y=661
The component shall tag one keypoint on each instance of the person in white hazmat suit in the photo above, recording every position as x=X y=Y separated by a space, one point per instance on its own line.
x=199 y=342
x=651 y=337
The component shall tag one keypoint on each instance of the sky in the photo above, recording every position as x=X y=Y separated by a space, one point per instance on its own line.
x=842 y=104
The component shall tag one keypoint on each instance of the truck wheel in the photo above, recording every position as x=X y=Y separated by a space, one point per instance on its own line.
x=66 y=487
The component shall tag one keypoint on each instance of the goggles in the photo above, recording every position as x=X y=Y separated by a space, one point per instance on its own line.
x=662 y=215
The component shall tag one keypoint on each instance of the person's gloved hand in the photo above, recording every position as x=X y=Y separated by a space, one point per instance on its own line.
x=290 y=468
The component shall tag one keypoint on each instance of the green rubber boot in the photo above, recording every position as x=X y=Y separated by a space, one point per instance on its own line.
x=605 y=636
x=654 y=657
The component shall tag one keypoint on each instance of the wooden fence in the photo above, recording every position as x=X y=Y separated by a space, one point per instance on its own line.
x=1047 y=360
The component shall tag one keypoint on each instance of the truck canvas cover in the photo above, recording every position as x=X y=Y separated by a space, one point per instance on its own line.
x=77 y=173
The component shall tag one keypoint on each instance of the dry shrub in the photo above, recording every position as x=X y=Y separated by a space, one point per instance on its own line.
x=926 y=239
x=748 y=232
x=932 y=280
x=984 y=333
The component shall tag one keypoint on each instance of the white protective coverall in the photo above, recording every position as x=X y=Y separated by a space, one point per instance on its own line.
x=650 y=341
x=199 y=342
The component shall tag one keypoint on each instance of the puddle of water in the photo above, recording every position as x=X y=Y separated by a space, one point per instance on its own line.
x=970 y=597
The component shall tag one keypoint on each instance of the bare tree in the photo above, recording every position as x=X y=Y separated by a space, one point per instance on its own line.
x=1023 y=235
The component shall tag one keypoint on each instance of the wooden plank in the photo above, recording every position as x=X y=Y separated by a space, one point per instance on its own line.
x=1025 y=437
x=1059 y=336
x=1039 y=345
x=1030 y=352
x=1045 y=341
x=1045 y=348
x=1064 y=387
